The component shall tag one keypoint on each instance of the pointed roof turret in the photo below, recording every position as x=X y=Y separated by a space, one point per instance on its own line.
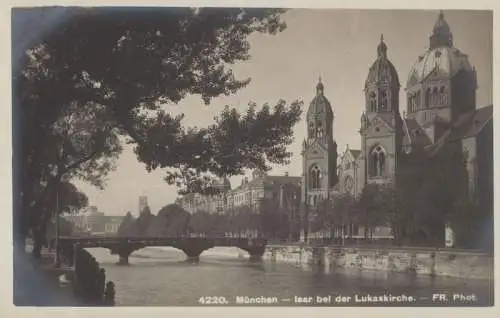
x=441 y=33
x=320 y=106
x=382 y=47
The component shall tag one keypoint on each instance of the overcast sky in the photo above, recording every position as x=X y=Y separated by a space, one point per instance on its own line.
x=339 y=46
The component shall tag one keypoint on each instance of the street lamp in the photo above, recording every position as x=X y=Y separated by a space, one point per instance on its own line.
x=57 y=261
x=306 y=210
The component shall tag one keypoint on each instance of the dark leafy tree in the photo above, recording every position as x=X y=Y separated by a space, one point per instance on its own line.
x=126 y=227
x=122 y=65
x=68 y=199
x=245 y=218
x=344 y=212
x=375 y=206
x=65 y=228
x=144 y=221
x=171 y=220
x=275 y=223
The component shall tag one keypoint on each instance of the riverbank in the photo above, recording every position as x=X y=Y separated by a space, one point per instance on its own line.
x=36 y=282
x=413 y=261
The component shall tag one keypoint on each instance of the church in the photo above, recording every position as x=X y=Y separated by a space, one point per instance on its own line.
x=441 y=111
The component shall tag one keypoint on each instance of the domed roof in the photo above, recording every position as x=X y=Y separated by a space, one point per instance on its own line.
x=320 y=106
x=441 y=26
x=382 y=70
x=446 y=61
x=442 y=58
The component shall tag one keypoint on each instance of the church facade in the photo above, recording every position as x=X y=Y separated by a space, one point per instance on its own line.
x=441 y=111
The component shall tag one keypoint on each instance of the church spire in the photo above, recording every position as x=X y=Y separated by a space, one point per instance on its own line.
x=320 y=87
x=382 y=47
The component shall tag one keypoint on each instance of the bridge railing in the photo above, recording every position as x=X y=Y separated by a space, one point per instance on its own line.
x=120 y=238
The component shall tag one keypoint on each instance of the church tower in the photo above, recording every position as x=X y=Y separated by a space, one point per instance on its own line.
x=441 y=85
x=381 y=123
x=319 y=150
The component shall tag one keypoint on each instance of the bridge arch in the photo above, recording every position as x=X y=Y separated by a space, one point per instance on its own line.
x=191 y=246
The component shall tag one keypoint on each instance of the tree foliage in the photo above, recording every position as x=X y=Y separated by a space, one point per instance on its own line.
x=109 y=72
x=171 y=220
x=126 y=227
x=144 y=221
x=376 y=205
x=275 y=220
x=65 y=228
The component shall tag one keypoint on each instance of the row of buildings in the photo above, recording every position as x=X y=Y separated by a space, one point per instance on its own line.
x=94 y=222
x=441 y=111
x=284 y=190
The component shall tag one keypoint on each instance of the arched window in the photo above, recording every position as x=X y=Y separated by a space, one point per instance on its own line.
x=315 y=177
x=434 y=97
x=373 y=102
x=417 y=100
x=377 y=162
x=442 y=96
x=311 y=129
x=410 y=105
x=383 y=100
x=319 y=129
x=428 y=97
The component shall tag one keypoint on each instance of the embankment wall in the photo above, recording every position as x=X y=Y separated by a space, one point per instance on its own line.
x=429 y=262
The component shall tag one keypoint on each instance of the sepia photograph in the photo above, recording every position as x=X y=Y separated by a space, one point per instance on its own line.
x=252 y=157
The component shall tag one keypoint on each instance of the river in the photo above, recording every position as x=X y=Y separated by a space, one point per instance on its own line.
x=162 y=277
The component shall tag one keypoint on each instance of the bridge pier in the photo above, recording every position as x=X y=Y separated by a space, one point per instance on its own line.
x=194 y=249
x=122 y=259
x=256 y=252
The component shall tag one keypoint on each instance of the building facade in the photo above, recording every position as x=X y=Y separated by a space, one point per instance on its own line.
x=94 y=222
x=249 y=194
x=441 y=111
x=441 y=116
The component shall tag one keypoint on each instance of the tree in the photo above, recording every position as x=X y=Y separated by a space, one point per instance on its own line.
x=65 y=228
x=428 y=189
x=246 y=219
x=67 y=199
x=127 y=64
x=376 y=205
x=126 y=227
x=171 y=220
x=144 y=221
x=273 y=219
x=200 y=222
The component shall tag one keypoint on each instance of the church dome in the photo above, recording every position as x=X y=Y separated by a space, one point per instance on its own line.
x=320 y=106
x=446 y=61
x=382 y=70
x=442 y=58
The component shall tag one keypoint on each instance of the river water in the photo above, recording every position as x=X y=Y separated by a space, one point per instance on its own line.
x=162 y=277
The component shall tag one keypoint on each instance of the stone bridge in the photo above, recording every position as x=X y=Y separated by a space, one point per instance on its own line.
x=192 y=246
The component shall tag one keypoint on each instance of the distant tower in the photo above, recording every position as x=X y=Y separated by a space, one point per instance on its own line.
x=143 y=202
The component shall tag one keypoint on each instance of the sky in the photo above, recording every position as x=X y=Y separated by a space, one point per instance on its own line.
x=339 y=46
